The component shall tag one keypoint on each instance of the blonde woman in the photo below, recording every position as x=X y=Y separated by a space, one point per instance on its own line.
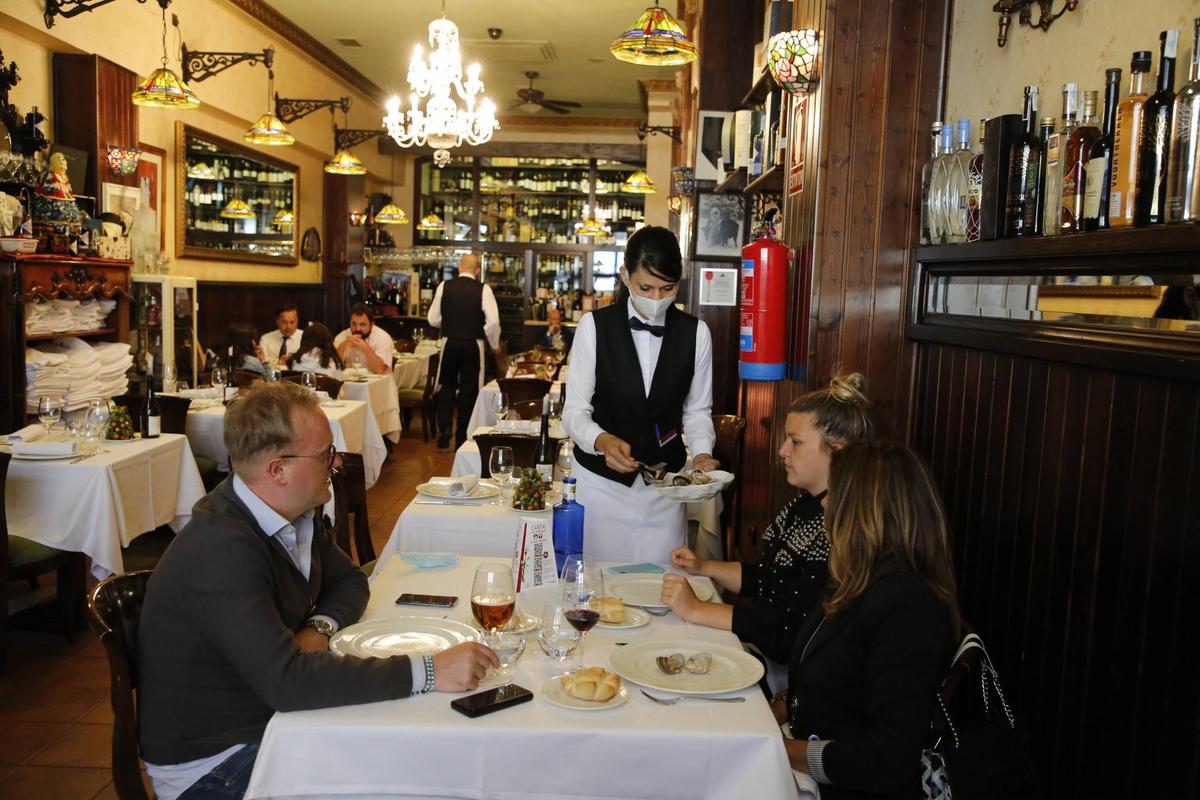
x=866 y=667
x=789 y=577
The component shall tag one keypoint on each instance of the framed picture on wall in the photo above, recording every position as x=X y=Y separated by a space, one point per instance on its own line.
x=714 y=149
x=150 y=166
x=118 y=198
x=720 y=226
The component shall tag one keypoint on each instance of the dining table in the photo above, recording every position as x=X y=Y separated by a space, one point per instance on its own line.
x=420 y=747
x=353 y=426
x=409 y=369
x=484 y=412
x=379 y=393
x=100 y=503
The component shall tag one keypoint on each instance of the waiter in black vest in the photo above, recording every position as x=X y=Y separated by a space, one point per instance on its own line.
x=640 y=380
x=465 y=311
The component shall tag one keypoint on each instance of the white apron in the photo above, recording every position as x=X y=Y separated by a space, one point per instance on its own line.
x=628 y=525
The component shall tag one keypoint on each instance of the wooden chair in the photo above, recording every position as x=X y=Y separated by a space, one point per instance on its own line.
x=24 y=559
x=244 y=378
x=350 y=493
x=523 y=445
x=405 y=345
x=731 y=434
x=325 y=383
x=422 y=398
x=114 y=611
x=174 y=420
x=519 y=389
x=527 y=409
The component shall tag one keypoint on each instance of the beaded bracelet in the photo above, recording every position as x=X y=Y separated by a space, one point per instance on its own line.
x=429 y=676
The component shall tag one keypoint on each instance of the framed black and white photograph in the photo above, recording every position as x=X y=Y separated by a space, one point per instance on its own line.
x=714 y=148
x=720 y=225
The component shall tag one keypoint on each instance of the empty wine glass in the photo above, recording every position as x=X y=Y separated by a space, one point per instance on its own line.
x=95 y=424
x=49 y=412
x=170 y=381
x=557 y=637
x=501 y=465
x=417 y=335
x=309 y=381
x=500 y=405
x=219 y=378
x=582 y=581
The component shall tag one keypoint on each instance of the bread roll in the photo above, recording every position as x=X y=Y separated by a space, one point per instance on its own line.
x=593 y=683
x=612 y=609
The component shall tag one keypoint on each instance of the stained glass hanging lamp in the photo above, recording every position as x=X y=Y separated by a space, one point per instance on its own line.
x=792 y=59
x=237 y=209
x=639 y=183
x=162 y=88
x=431 y=222
x=655 y=40
x=269 y=129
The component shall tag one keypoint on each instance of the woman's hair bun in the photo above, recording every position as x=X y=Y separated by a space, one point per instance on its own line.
x=849 y=388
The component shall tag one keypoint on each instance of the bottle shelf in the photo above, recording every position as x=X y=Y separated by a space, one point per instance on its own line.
x=79 y=334
x=1167 y=243
x=770 y=181
x=244 y=182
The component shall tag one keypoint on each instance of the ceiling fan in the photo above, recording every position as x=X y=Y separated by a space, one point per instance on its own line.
x=534 y=100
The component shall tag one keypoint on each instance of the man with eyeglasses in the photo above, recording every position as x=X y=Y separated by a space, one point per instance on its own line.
x=239 y=611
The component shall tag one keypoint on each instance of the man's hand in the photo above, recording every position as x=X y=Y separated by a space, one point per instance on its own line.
x=618 y=455
x=677 y=593
x=310 y=641
x=685 y=559
x=462 y=667
x=705 y=462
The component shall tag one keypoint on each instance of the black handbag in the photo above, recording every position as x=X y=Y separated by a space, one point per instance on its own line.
x=980 y=749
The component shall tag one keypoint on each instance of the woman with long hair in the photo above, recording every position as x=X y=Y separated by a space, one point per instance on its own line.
x=241 y=346
x=790 y=575
x=316 y=353
x=866 y=667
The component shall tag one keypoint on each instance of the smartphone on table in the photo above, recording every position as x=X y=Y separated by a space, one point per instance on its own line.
x=485 y=702
x=435 y=600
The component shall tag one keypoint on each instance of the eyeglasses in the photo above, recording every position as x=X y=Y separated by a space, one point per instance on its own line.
x=330 y=455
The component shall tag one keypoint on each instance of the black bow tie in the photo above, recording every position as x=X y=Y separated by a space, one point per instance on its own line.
x=655 y=330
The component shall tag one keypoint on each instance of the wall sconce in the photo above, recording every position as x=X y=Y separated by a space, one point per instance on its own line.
x=792 y=59
x=345 y=138
x=643 y=130
x=60 y=8
x=290 y=109
x=123 y=161
x=357 y=219
x=200 y=65
x=1025 y=15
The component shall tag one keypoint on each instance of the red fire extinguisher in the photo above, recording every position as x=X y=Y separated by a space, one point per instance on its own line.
x=765 y=265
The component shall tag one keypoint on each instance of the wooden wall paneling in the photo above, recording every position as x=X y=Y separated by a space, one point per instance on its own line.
x=91 y=111
x=222 y=304
x=336 y=245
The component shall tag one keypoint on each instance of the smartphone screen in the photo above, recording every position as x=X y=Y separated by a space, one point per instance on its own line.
x=476 y=705
x=439 y=600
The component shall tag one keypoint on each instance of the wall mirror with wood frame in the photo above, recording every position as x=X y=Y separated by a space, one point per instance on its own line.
x=233 y=202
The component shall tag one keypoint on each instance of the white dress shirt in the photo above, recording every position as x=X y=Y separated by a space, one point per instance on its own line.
x=272 y=341
x=379 y=340
x=491 y=314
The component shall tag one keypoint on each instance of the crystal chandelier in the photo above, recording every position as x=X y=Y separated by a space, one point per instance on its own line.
x=442 y=124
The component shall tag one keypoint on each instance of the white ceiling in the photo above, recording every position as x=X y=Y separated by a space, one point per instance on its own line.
x=566 y=41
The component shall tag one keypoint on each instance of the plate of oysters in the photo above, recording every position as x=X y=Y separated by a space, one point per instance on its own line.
x=693 y=485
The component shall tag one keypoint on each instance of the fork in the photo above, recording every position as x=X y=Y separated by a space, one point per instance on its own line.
x=670 y=701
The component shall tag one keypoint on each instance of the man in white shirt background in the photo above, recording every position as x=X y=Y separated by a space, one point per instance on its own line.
x=280 y=343
x=364 y=342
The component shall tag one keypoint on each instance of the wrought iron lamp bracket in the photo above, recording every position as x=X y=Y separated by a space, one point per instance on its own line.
x=1024 y=11
x=72 y=8
x=290 y=109
x=200 y=65
x=644 y=130
x=346 y=138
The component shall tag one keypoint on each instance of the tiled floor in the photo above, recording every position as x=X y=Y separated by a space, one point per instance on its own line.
x=55 y=718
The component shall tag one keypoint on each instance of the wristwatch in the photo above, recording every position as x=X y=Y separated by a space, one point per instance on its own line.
x=321 y=626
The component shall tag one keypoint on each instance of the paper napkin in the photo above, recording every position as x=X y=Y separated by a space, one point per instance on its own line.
x=431 y=560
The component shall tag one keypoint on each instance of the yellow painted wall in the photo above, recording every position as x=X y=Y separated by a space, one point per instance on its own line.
x=984 y=80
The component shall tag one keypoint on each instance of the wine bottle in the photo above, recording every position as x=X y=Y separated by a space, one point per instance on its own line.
x=1150 y=198
x=1078 y=148
x=1098 y=176
x=1125 y=144
x=543 y=460
x=1035 y=213
x=1056 y=146
x=1023 y=163
x=975 y=188
x=957 y=187
x=1183 y=182
x=568 y=525
x=939 y=216
x=151 y=416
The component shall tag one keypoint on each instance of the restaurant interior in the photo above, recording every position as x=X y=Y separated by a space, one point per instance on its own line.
x=854 y=187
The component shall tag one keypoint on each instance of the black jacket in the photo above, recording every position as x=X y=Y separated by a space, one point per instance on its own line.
x=865 y=679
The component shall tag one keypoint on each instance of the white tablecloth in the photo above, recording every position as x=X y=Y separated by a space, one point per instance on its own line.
x=484 y=413
x=354 y=431
x=409 y=370
x=379 y=393
x=103 y=503
x=420 y=747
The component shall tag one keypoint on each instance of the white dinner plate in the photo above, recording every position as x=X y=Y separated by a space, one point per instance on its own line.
x=401 y=636
x=45 y=456
x=634 y=618
x=646 y=590
x=732 y=669
x=555 y=694
x=137 y=437
x=441 y=490
x=695 y=494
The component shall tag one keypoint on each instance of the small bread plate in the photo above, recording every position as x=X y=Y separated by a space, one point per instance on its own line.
x=731 y=669
x=646 y=590
x=441 y=490
x=634 y=618
x=401 y=636
x=137 y=437
x=693 y=493
x=554 y=693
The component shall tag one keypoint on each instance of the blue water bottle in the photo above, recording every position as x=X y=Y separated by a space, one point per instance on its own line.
x=568 y=525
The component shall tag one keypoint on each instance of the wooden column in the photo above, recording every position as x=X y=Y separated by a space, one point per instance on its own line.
x=92 y=110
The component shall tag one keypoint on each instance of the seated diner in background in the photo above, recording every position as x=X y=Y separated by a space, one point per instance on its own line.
x=865 y=668
x=793 y=570
x=284 y=340
x=364 y=343
x=243 y=351
x=239 y=612
x=316 y=353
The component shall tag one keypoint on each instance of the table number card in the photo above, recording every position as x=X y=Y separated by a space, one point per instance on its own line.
x=533 y=554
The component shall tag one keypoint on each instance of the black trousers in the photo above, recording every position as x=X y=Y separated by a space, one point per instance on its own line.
x=460 y=379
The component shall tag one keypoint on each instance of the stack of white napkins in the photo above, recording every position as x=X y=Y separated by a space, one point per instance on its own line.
x=88 y=315
x=69 y=369
x=115 y=363
x=462 y=486
x=48 y=317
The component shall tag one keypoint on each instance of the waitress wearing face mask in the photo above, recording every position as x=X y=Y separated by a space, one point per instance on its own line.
x=640 y=381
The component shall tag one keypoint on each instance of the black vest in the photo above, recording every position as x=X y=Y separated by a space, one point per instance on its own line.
x=462 y=309
x=619 y=403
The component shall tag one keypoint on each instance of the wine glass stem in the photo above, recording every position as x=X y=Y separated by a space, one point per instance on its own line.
x=579 y=652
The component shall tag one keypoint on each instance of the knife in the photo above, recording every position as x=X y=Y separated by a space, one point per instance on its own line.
x=446 y=503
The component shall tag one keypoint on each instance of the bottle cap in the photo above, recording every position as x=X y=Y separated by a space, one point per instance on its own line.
x=1047 y=121
x=1141 y=61
x=964 y=129
x=568 y=481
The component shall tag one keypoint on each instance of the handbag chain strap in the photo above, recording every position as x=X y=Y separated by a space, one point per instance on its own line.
x=987 y=675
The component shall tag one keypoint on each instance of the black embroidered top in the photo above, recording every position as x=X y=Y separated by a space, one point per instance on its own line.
x=787 y=580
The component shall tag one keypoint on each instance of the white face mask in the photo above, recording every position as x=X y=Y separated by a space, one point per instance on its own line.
x=655 y=311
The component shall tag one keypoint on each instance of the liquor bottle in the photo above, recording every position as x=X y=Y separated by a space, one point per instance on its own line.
x=568 y=525
x=1150 y=199
x=1056 y=145
x=543 y=460
x=926 y=177
x=1078 y=148
x=957 y=186
x=1123 y=182
x=1183 y=182
x=154 y=313
x=1100 y=159
x=151 y=416
x=938 y=181
x=975 y=188
x=1035 y=214
x=1023 y=163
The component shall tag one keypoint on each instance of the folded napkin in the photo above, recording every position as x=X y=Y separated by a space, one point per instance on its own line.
x=651 y=568
x=462 y=486
x=431 y=560
x=43 y=448
x=519 y=425
x=26 y=434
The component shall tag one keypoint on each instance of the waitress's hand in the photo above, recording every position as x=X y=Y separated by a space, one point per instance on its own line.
x=705 y=462
x=678 y=594
x=618 y=455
